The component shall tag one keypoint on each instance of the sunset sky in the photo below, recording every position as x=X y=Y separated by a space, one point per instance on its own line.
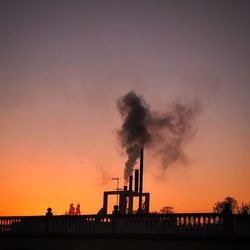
x=64 y=64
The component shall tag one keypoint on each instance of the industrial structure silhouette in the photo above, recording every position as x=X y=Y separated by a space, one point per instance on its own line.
x=128 y=221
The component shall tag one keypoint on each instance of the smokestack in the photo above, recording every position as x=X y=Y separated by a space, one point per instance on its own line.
x=141 y=171
x=165 y=134
x=136 y=180
x=131 y=183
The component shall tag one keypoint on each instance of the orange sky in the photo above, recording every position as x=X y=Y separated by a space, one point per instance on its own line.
x=63 y=67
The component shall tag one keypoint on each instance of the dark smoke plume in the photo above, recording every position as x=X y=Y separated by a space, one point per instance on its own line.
x=163 y=133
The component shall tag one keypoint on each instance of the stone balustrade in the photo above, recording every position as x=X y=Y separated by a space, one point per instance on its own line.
x=184 y=224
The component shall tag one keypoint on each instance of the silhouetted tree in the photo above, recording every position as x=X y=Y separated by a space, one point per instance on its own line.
x=167 y=210
x=244 y=209
x=229 y=203
x=154 y=212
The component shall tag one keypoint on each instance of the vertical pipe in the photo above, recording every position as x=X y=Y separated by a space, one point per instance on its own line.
x=117 y=189
x=131 y=183
x=105 y=203
x=147 y=203
x=141 y=172
x=130 y=206
x=136 y=180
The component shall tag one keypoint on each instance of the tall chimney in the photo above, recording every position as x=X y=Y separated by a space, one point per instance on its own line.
x=141 y=172
x=131 y=183
x=136 y=180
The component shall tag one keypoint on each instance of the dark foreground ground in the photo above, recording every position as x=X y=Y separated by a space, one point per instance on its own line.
x=53 y=243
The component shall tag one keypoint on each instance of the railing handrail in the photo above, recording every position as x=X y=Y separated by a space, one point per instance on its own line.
x=195 y=224
x=110 y=215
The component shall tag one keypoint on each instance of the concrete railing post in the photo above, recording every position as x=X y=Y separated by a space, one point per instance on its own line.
x=227 y=226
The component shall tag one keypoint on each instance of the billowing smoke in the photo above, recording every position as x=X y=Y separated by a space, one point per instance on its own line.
x=165 y=134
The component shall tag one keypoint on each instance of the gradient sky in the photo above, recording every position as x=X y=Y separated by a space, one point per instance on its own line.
x=64 y=64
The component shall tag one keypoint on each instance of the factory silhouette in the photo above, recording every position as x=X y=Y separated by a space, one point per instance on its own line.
x=127 y=196
x=130 y=220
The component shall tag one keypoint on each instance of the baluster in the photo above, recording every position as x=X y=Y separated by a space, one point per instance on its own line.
x=202 y=221
x=197 y=221
x=192 y=221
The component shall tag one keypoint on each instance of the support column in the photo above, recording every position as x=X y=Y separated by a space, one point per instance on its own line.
x=131 y=200
x=122 y=204
x=105 y=203
x=147 y=197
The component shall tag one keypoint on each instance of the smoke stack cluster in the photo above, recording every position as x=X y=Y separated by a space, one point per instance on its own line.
x=165 y=133
x=138 y=186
